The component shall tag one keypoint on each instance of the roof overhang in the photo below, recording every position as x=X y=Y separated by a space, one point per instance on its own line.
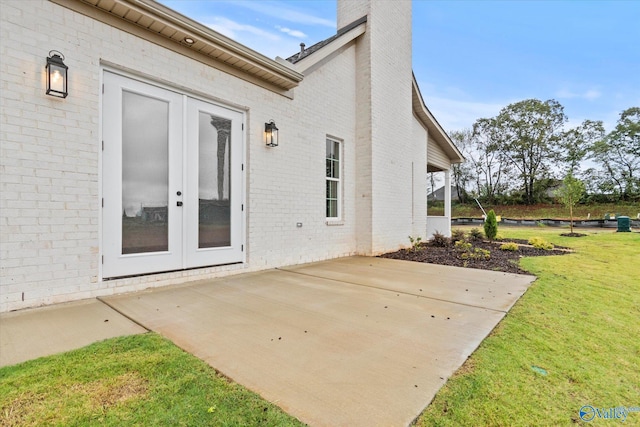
x=436 y=133
x=343 y=37
x=162 y=25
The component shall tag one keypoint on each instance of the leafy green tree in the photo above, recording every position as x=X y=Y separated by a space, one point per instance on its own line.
x=576 y=143
x=528 y=133
x=618 y=156
x=491 y=225
x=462 y=173
x=570 y=193
x=488 y=162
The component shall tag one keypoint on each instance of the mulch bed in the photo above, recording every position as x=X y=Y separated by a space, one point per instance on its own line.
x=499 y=260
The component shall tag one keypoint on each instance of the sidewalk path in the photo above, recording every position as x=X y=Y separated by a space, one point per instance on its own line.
x=33 y=333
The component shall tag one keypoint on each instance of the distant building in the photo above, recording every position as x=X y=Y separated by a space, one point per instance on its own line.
x=154 y=213
x=439 y=196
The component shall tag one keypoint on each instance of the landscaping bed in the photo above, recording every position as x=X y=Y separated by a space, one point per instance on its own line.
x=497 y=259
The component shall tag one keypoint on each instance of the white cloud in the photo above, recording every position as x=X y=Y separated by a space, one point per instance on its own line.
x=292 y=33
x=589 y=95
x=282 y=10
x=234 y=30
x=454 y=108
x=565 y=93
x=455 y=114
x=269 y=44
x=610 y=120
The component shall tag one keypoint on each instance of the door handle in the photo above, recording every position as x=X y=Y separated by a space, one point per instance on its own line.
x=179 y=203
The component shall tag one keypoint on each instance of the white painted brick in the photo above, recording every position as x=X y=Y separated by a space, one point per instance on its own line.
x=51 y=155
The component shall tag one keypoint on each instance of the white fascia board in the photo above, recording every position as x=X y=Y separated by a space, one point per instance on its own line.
x=232 y=46
x=318 y=56
x=435 y=130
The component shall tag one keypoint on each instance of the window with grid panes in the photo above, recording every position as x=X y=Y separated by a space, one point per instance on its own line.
x=333 y=179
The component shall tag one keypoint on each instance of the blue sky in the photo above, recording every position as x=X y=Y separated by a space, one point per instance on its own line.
x=471 y=58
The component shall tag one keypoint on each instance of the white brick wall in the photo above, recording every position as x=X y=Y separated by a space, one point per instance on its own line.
x=419 y=138
x=385 y=198
x=288 y=182
x=50 y=181
x=392 y=123
x=48 y=168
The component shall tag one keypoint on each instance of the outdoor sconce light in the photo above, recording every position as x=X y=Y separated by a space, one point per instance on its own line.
x=271 y=134
x=56 y=75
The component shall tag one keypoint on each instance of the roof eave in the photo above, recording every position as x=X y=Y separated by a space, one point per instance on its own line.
x=174 y=27
x=436 y=131
x=219 y=39
x=314 y=54
x=310 y=61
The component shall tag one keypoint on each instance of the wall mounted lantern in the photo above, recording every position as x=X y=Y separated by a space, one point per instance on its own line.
x=271 y=134
x=56 y=75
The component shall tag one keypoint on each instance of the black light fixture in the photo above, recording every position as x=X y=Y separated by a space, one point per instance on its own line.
x=271 y=134
x=56 y=75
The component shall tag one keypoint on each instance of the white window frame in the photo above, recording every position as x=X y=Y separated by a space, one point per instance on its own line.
x=339 y=217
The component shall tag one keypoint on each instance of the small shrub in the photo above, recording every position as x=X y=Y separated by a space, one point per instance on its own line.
x=467 y=251
x=462 y=246
x=476 y=253
x=415 y=243
x=510 y=246
x=476 y=234
x=491 y=225
x=457 y=235
x=439 y=240
x=540 y=243
x=482 y=253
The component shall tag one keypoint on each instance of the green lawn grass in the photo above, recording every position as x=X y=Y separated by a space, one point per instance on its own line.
x=141 y=380
x=579 y=322
x=543 y=211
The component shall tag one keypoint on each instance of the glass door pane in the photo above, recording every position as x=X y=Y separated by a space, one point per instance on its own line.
x=142 y=177
x=214 y=189
x=145 y=174
x=214 y=196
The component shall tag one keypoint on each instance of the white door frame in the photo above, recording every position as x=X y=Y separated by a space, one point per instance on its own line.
x=183 y=251
x=194 y=256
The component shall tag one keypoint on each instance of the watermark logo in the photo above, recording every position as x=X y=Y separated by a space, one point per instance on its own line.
x=589 y=413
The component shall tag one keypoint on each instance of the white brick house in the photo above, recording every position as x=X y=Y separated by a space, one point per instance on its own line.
x=154 y=171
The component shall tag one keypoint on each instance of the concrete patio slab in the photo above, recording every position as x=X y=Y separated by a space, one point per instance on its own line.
x=479 y=288
x=347 y=342
x=33 y=333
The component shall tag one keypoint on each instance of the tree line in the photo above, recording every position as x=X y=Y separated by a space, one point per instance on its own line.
x=518 y=155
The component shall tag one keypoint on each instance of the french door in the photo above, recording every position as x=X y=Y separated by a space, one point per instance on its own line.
x=172 y=180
